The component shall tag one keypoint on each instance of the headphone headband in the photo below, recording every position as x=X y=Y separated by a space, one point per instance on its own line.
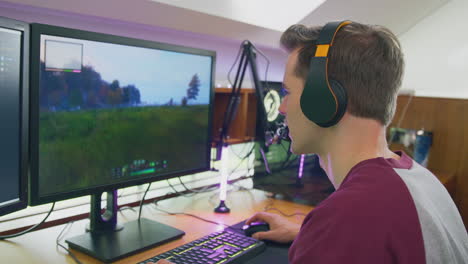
x=326 y=37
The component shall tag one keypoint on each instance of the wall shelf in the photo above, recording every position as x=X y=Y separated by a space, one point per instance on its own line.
x=242 y=128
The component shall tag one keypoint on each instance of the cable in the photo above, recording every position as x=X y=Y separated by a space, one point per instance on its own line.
x=267 y=60
x=59 y=237
x=194 y=216
x=127 y=208
x=183 y=185
x=283 y=214
x=208 y=188
x=266 y=71
x=147 y=189
x=192 y=192
x=266 y=82
x=122 y=191
x=172 y=187
x=269 y=207
x=203 y=190
x=242 y=160
x=288 y=161
x=31 y=228
x=232 y=66
x=287 y=150
x=143 y=200
x=243 y=148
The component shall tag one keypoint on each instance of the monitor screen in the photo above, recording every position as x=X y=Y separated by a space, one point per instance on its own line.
x=13 y=114
x=111 y=112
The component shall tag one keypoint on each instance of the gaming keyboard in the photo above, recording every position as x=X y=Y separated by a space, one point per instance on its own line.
x=220 y=247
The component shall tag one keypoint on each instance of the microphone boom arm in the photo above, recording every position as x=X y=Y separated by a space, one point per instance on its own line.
x=248 y=57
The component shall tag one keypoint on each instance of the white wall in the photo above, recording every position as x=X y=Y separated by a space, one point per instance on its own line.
x=226 y=50
x=436 y=53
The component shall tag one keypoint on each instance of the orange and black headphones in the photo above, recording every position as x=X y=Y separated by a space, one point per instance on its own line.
x=324 y=100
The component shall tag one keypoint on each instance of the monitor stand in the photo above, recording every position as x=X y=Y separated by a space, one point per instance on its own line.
x=107 y=241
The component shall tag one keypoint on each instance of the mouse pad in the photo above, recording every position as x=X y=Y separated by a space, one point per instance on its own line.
x=274 y=252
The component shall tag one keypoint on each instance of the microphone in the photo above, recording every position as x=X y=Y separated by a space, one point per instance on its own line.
x=282 y=133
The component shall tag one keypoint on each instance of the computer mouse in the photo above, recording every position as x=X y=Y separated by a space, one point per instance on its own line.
x=255 y=227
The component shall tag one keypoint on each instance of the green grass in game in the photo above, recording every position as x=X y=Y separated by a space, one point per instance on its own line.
x=78 y=149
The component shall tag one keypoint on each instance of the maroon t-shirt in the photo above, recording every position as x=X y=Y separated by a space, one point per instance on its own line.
x=371 y=218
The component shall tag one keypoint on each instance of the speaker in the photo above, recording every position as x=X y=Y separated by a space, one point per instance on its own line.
x=323 y=100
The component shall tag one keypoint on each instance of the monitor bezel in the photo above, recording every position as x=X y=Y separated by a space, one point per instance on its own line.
x=41 y=29
x=22 y=202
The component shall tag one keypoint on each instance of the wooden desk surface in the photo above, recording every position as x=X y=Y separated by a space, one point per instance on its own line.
x=40 y=247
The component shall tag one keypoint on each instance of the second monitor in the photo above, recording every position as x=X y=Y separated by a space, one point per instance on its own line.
x=14 y=111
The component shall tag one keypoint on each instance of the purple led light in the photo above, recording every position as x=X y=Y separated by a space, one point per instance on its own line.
x=301 y=166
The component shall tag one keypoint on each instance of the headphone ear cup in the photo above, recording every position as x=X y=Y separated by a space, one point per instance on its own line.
x=341 y=100
x=318 y=101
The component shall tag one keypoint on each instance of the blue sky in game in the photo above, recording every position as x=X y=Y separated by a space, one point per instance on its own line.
x=159 y=75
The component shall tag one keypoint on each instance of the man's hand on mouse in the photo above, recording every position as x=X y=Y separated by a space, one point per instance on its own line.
x=281 y=230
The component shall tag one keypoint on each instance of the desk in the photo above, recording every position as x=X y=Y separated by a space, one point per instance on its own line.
x=40 y=247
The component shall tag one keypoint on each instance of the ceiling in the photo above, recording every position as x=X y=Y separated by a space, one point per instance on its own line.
x=260 y=21
x=262 y=13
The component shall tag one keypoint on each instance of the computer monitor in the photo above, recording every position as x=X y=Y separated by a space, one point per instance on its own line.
x=110 y=112
x=14 y=105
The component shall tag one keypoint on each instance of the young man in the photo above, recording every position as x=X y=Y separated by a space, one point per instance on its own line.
x=386 y=208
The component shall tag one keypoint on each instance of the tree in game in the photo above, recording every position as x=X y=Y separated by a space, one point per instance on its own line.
x=194 y=88
x=184 y=101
